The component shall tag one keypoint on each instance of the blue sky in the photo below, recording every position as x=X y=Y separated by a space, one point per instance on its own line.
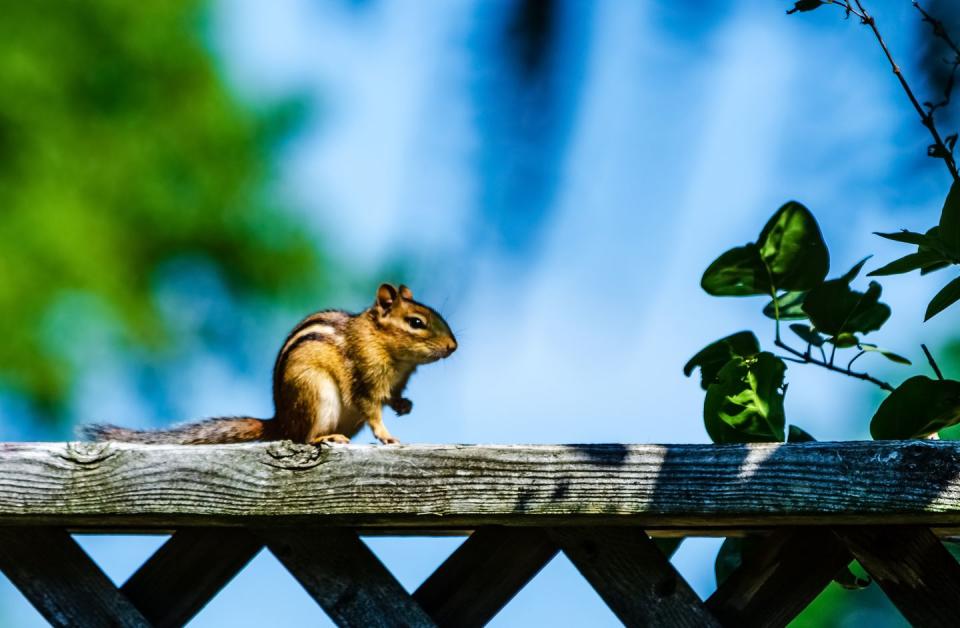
x=565 y=245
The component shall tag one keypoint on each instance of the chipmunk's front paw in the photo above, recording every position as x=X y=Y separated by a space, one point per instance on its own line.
x=388 y=440
x=401 y=406
x=339 y=439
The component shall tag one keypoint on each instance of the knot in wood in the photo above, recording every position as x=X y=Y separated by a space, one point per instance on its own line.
x=286 y=454
x=87 y=454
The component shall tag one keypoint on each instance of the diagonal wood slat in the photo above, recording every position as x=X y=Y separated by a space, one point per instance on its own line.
x=633 y=576
x=913 y=568
x=341 y=573
x=187 y=571
x=779 y=580
x=484 y=574
x=62 y=581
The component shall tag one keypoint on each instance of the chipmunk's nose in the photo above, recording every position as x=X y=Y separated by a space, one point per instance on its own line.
x=451 y=346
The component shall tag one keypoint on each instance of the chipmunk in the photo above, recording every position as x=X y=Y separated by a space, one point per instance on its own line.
x=333 y=374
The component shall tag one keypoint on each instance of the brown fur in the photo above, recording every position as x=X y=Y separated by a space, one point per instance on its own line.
x=334 y=373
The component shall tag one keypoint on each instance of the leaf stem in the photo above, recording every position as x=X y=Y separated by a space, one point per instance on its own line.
x=806 y=358
x=854 y=359
x=933 y=363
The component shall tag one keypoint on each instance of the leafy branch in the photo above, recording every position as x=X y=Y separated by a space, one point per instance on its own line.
x=788 y=263
x=805 y=357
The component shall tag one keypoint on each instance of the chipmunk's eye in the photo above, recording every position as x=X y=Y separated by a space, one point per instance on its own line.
x=416 y=322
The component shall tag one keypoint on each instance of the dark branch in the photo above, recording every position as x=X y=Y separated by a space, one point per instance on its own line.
x=933 y=363
x=806 y=358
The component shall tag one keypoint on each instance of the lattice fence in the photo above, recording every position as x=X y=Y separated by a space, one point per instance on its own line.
x=820 y=505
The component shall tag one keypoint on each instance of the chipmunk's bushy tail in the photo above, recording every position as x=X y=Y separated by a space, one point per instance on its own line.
x=207 y=432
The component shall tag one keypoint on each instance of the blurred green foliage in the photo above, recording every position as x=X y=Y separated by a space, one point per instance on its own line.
x=120 y=148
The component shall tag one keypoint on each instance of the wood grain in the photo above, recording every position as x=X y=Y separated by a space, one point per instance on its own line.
x=341 y=573
x=913 y=568
x=61 y=581
x=484 y=574
x=450 y=486
x=777 y=581
x=633 y=576
x=187 y=571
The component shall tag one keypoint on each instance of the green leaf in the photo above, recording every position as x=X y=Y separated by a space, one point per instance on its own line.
x=834 y=308
x=790 y=305
x=711 y=358
x=908 y=263
x=807 y=334
x=890 y=355
x=793 y=249
x=934 y=242
x=910 y=237
x=953 y=547
x=918 y=407
x=745 y=403
x=850 y=579
x=947 y=296
x=731 y=555
x=844 y=340
x=852 y=274
x=798 y=435
x=738 y=272
x=805 y=5
x=950 y=221
x=934 y=267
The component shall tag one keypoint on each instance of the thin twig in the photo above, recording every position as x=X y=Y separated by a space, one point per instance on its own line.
x=933 y=363
x=939 y=148
x=808 y=359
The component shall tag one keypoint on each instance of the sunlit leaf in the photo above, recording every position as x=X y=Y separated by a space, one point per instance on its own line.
x=834 y=308
x=807 y=334
x=918 y=407
x=711 y=358
x=947 y=296
x=890 y=355
x=844 y=340
x=738 y=272
x=789 y=305
x=745 y=403
x=793 y=249
x=799 y=435
x=908 y=263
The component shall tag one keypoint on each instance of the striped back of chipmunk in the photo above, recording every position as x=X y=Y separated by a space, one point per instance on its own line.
x=327 y=326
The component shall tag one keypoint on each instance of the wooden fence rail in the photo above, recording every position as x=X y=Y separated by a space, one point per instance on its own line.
x=817 y=505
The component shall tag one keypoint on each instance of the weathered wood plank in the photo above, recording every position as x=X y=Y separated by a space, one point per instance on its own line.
x=341 y=573
x=779 y=580
x=61 y=581
x=484 y=574
x=448 y=486
x=633 y=576
x=187 y=571
x=913 y=568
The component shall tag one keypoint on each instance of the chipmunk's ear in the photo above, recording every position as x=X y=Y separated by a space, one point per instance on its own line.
x=406 y=293
x=386 y=297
